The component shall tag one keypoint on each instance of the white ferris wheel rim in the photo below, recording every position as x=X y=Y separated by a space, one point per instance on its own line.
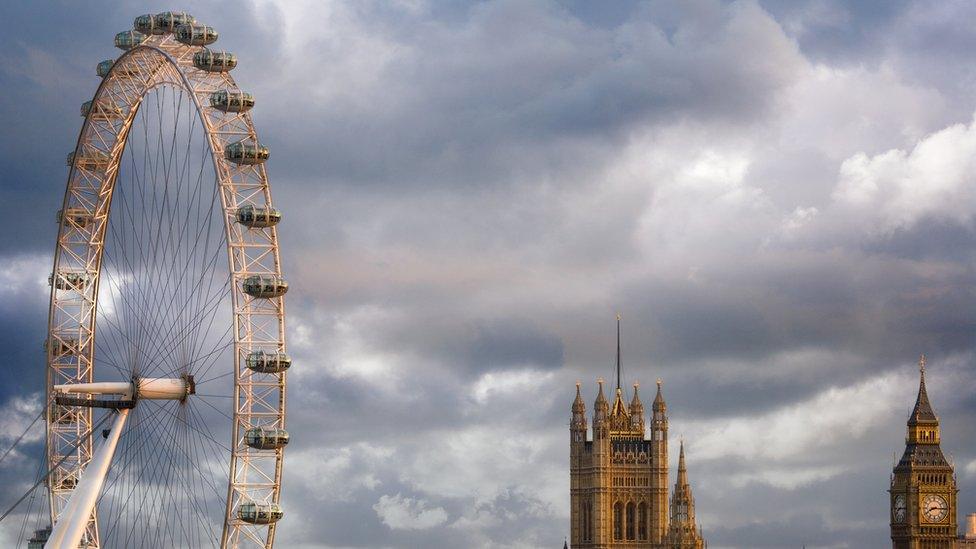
x=253 y=474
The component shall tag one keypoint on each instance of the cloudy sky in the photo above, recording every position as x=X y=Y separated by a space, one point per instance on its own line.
x=778 y=198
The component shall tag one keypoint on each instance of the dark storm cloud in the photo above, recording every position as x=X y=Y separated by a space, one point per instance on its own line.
x=514 y=89
x=472 y=190
x=845 y=32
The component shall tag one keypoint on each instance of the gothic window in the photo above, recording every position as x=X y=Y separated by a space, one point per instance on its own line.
x=582 y=520
x=590 y=522
x=618 y=521
x=587 y=526
x=631 y=517
x=642 y=521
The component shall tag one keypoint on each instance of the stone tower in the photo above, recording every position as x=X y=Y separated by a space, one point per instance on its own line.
x=683 y=532
x=923 y=484
x=619 y=478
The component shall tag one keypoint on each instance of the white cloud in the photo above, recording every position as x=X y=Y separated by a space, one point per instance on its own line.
x=339 y=472
x=17 y=414
x=838 y=110
x=833 y=417
x=482 y=461
x=798 y=218
x=403 y=513
x=494 y=384
x=25 y=273
x=897 y=188
x=353 y=355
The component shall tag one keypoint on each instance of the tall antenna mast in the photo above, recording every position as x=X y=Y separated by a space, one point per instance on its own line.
x=618 y=351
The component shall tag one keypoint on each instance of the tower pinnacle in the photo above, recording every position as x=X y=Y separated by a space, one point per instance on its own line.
x=636 y=406
x=682 y=468
x=683 y=533
x=578 y=405
x=659 y=405
x=601 y=400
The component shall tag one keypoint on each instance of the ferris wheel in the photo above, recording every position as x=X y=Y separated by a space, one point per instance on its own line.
x=166 y=359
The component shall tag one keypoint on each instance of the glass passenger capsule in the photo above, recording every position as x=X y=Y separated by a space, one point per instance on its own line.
x=103 y=68
x=126 y=40
x=78 y=217
x=39 y=538
x=66 y=415
x=266 y=438
x=255 y=217
x=214 y=61
x=168 y=21
x=88 y=161
x=195 y=34
x=104 y=109
x=66 y=483
x=265 y=286
x=246 y=152
x=62 y=346
x=268 y=362
x=260 y=513
x=63 y=415
x=231 y=101
x=146 y=24
x=71 y=280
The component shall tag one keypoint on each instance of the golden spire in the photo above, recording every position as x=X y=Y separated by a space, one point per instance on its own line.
x=578 y=405
x=636 y=406
x=923 y=412
x=659 y=398
x=600 y=399
x=682 y=468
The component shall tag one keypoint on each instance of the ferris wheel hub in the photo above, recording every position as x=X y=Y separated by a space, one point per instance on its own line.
x=151 y=388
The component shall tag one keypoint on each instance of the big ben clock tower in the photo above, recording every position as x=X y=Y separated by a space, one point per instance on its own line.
x=923 y=485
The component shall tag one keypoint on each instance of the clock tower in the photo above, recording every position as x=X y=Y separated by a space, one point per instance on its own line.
x=923 y=484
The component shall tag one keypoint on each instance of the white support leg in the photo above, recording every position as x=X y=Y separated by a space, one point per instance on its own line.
x=70 y=526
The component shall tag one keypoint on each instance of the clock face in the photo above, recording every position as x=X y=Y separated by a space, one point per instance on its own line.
x=934 y=508
x=899 y=508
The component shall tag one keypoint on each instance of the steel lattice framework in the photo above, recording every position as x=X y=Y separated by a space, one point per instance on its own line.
x=258 y=397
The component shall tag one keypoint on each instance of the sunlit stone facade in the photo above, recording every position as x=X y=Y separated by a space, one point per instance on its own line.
x=619 y=477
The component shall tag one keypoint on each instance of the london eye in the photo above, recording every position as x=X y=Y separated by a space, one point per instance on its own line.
x=165 y=355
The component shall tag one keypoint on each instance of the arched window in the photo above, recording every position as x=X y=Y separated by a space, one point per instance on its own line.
x=642 y=521
x=631 y=519
x=618 y=521
x=582 y=520
x=587 y=526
